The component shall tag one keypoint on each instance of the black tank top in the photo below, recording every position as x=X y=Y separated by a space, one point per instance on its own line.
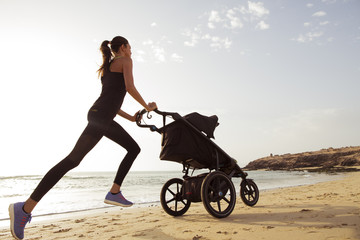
x=112 y=94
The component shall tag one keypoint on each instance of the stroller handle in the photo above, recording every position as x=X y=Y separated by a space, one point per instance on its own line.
x=153 y=128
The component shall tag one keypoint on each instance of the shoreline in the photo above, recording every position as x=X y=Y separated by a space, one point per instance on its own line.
x=326 y=210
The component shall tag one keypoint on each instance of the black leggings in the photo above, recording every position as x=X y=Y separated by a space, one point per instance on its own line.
x=99 y=125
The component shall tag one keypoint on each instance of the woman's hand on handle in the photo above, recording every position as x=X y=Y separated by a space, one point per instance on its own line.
x=151 y=106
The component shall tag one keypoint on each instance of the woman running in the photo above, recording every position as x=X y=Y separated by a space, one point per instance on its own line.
x=117 y=79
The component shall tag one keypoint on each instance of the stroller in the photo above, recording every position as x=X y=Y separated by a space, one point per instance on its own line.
x=186 y=140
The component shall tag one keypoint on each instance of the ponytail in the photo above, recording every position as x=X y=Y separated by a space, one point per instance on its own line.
x=106 y=56
x=106 y=52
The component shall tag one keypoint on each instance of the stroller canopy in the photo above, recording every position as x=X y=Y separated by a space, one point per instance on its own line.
x=203 y=123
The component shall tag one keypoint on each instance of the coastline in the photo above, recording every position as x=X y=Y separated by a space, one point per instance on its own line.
x=326 y=210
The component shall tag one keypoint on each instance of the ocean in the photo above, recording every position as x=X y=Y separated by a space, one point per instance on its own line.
x=80 y=191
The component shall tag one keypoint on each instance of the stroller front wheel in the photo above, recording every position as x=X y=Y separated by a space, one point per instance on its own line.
x=171 y=198
x=249 y=192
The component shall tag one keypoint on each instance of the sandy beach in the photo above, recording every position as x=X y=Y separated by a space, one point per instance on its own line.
x=328 y=210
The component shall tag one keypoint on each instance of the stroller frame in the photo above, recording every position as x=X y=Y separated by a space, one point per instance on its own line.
x=215 y=188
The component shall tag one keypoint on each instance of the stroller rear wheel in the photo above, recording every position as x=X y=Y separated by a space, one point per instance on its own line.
x=249 y=192
x=171 y=198
x=218 y=194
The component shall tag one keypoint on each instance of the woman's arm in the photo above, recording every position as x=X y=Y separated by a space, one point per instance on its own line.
x=130 y=87
x=127 y=116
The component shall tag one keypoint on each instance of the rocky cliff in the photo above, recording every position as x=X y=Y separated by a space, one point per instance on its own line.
x=325 y=158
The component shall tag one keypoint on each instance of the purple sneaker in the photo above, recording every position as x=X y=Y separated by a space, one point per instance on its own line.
x=18 y=219
x=117 y=199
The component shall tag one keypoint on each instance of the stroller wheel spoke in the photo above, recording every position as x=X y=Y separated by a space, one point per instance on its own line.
x=171 y=192
x=252 y=196
x=226 y=200
x=167 y=202
x=219 y=205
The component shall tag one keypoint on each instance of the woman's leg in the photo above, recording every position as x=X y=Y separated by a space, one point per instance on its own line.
x=117 y=134
x=88 y=139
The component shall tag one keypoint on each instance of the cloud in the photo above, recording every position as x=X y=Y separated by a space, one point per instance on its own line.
x=153 y=24
x=234 y=21
x=315 y=30
x=328 y=1
x=139 y=56
x=309 y=5
x=229 y=20
x=319 y=14
x=159 y=53
x=257 y=9
x=215 y=42
x=308 y=37
x=220 y=43
x=176 y=58
x=194 y=37
x=233 y=18
x=156 y=51
x=262 y=25
x=324 y=23
x=214 y=18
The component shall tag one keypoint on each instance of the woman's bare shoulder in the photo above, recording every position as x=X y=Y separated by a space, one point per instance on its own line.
x=119 y=64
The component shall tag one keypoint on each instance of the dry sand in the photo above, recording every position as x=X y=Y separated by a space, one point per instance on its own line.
x=329 y=210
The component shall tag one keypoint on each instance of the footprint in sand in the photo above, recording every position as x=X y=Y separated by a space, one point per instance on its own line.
x=197 y=237
x=63 y=230
x=140 y=234
x=35 y=238
x=50 y=226
x=79 y=220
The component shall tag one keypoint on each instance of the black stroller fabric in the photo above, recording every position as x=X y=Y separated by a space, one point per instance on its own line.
x=184 y=145
x=203 y=123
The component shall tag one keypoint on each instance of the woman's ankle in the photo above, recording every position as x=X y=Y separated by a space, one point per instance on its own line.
x=29 y=205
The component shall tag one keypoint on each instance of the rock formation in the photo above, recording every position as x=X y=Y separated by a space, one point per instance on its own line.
x=325 y=158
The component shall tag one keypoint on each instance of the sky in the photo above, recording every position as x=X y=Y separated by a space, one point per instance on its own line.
x=283 y=76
